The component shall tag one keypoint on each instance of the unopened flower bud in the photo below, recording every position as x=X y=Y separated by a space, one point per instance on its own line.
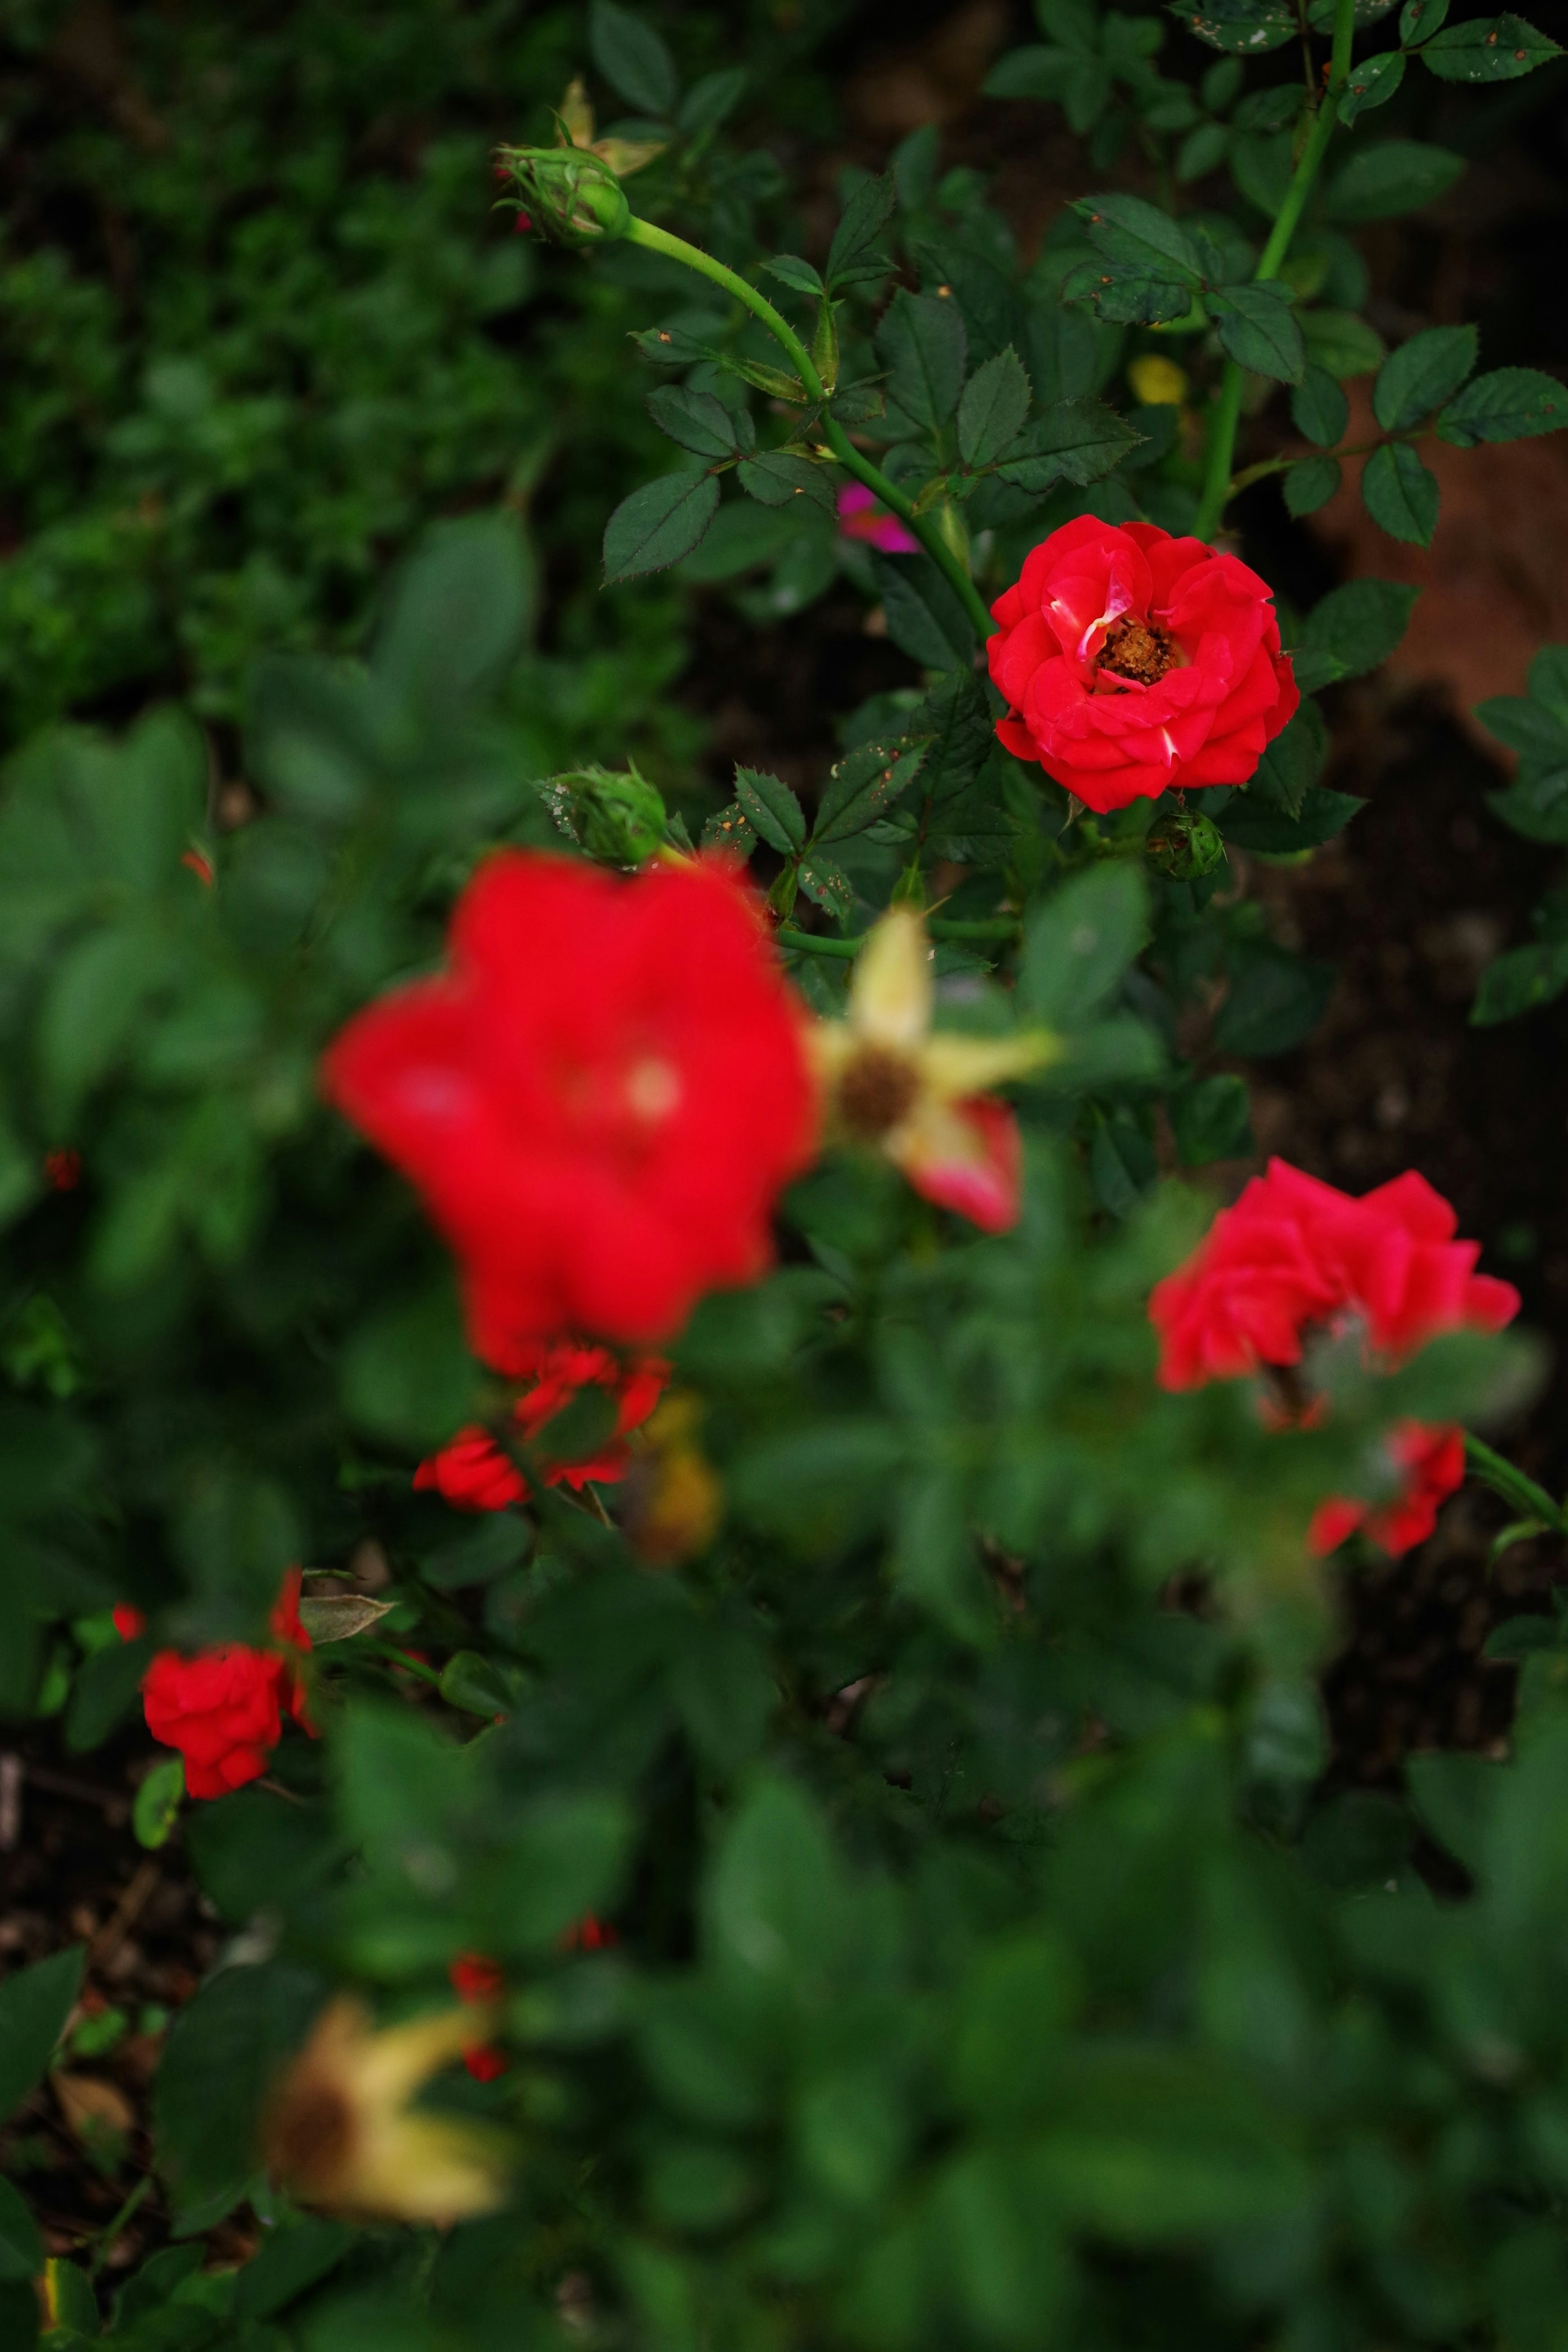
x=1186 y=847
x=568 y=194
x=616 y=817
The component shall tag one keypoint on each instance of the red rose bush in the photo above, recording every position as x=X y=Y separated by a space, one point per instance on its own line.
x=1134 y=663
x=1294 y=1256
x=598 y=1100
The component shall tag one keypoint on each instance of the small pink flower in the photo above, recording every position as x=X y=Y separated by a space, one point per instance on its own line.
x=863 y=516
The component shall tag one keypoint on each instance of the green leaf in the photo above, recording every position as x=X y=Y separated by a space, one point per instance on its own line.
x=922 y=343
x=1421 y=375
x=1319 y=408
x=34 y=2003
x=1342 y=343
x=699 y=422
x=711 y=100
x=771 y=808
x=993 y=408
x=1292 y=763
x=1420 y=18
x=458 y=614
x=1370 y=83
x=21 y=2247
x=861 y=788
x=1244 y=28
x=1520 y=980
x=1257 y=329
x=1507 y=404
x=406 y=1373
x=473 y=1684
x=1137 y=236
x=1079 y=943
x=658 y=524
x=827 y=885
x=105 y=1691
x=1074 y=441
x=633 y=59
x=1260 y=165
x=1275 y=1000
x=1533 y=728
x=1268 y=832
x=792 y=271
x=728 y=830
x=158 y=1802
x=1399 y=175
x=1078 y=80
x=1211 y=1119
x=1400 y=494
x=925 y=619
x=1309 y=484
x=224 y=2051
x=1360 y=624
x=1488 y=49
x=778 y=478
x=856 y=257
x=1537 y=804
x=1202 y=150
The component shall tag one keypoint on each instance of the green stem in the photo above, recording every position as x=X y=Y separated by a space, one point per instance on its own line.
x=988 y=927
x=1218 y=485
x=1505 y=1479
x=1266 y=465
x=103 y=2243
x=929 y=534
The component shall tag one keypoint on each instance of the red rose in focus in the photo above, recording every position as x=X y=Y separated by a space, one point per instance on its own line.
x=474 y=1475
x=1294 y=1252
x=1133 y=662
x=600 y=1099
x=223 y=1709
x=1433 y=1463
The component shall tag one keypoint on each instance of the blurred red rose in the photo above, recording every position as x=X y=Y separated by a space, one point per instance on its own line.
x=223 y=1709
x=475 y=1978
x=1133 y=662
x=600 y=1099
x=1433 y=1464
x=474 y=1475
x=1294 y=1252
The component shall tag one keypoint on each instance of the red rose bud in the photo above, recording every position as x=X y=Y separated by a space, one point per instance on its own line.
x=1134 y=663
x=474 y=1475
x=475 y=1979
x=63 y=1170
x=198 y=863
x=129 y=1621
x=600 y=1100
x=568 y=194
x=1294 y=1252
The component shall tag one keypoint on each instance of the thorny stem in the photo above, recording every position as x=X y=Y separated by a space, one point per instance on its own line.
x=1266 y=465
x=1217 y=486
x=925 y=527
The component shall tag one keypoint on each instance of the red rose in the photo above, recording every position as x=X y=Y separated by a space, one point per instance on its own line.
x=1433 y=1461
x=474 y=1475
x=1133 y=662
x=600 y=1100
x=1294 y=1252
x=223 y=1709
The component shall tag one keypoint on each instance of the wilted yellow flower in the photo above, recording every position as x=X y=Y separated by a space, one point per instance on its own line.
x=339 y=2131
x=918 y=1095
x=623 y=156
x=1157 y=382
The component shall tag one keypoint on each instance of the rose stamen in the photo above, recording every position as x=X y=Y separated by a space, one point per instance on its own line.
x=1141 y=650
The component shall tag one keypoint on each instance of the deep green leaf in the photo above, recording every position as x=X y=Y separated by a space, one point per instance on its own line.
x=778 y=478
x=1245 y=28
x=1202 y=150
x=1080 y=942
x=658 y=523
x=925 y=617
x=1275 y=1000
x=855 y=256
x=863 y=785
x=1360 y=624
x=1520 y=980
x=1537 y=804
x=34 y=2003
x=1258 y=329
x=1291 y=763
x=1310 y=484
x=1371 y=82
x=1319 y=408
x=1419 y=18
x=699 y=422
x=1507 y=404
x=1399 y=175
x=1075 y=441
x=771 y=808
x=223 y=2051
x=922 y=343
x=1422 y=374
x=827 y=885
x=792 y=271
x=1488 y=49
x=1211 y=1119
x=711 y=100
x=1400 y=494
x=1133 y=235
x=1341 y=344
x=21 y=2247
x=994 y=405
x=633 y=59
x=1269 y=832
